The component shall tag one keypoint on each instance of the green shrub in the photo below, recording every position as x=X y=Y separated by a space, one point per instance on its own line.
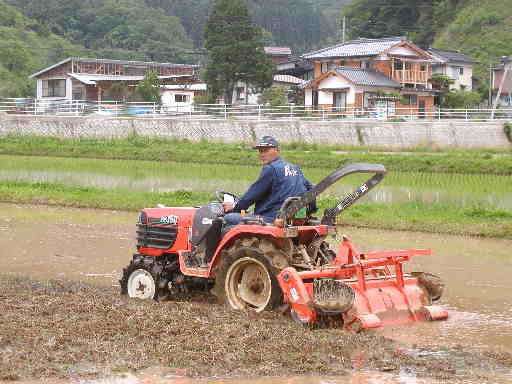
x=507 y=128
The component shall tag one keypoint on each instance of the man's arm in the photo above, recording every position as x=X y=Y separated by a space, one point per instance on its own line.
x=256 y=191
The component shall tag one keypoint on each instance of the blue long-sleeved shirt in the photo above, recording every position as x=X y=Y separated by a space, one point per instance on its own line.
x=277 y=181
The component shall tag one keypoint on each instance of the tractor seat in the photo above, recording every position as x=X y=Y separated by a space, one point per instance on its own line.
x=313 y=221
x=253 y=221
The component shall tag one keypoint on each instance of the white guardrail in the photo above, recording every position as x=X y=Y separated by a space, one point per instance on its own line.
x=115 y=109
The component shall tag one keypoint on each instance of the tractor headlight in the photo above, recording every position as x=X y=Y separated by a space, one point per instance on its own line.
x=143 y=218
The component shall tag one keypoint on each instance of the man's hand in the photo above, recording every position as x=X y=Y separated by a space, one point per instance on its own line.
x=228 y=206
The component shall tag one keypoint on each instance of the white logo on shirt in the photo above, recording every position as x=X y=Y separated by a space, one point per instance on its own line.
x=290 y=171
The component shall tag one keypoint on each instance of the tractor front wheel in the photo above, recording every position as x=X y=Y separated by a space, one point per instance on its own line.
x=144 y=281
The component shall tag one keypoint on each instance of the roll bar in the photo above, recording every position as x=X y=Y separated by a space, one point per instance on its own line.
x=294 y=204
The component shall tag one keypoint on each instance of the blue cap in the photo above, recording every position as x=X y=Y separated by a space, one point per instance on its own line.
x=267 y=142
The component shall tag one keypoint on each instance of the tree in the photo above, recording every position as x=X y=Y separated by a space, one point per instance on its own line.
x=235 y=50
x=274 y=96
x=149 y=88
x=461 y=99
x=442 y=83
x=119 y=91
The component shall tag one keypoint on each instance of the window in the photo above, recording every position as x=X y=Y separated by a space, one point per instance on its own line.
x=339 y=100
x=78 y=94
x=54 y=88
x=308 y=75
x=409 y=99
x=179 y=98
x=239 y=93
x=314 y=96
x=398 y=65
x=457 y=72
x=365 y=64
x=324 y=67
x=423 y=67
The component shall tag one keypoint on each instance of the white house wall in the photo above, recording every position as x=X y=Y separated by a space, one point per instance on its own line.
x=169 y=101
x=69 y=89
x=402 y=51
x=335 y=83
x=465 y=80
x=308 y=97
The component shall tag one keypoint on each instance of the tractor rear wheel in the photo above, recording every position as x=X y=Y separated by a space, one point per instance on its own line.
x=144 y=281
x=246 y=277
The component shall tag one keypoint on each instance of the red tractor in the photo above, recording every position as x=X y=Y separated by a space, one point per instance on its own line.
x=258 y=266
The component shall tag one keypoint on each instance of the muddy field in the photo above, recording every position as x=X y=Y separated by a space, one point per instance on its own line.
x=63 y=318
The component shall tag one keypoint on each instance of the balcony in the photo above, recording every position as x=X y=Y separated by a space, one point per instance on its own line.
x=410 y=76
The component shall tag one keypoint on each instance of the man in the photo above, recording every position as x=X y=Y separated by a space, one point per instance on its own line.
x=278 y=180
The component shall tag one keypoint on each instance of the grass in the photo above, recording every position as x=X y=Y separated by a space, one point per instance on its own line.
x=312 y=156
x=411 y=216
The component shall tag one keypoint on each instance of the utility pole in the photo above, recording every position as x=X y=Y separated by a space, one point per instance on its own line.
x=506 y=66
x=344 y=28
x=489 y=100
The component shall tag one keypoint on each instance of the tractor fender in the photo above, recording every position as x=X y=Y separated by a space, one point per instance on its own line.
x=243 y=231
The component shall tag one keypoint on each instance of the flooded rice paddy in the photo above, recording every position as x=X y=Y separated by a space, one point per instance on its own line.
x=492 y=191
x=94 y=245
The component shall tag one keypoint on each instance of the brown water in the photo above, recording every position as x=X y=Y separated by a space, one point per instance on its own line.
x=94 y=245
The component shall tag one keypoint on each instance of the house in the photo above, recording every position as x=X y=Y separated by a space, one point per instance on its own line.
x=88 y=79
x=297 y=67
x=287 y=82
x=455 y=65
x=502 y=83
x=390 y=73
x=278 y=54
x=180 y=97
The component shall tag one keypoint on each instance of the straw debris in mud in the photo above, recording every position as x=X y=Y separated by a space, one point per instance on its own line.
x=73 y=330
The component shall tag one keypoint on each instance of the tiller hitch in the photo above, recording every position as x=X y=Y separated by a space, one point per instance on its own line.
x=363 y=290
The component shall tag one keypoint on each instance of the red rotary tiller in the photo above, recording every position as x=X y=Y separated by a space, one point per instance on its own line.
x=363 y=290
x=367 y=290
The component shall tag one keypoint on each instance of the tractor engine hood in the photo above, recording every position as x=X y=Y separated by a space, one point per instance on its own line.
x=176 y=216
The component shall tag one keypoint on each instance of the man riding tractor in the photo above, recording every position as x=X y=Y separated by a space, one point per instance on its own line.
x=279 y=254
x=277 y=181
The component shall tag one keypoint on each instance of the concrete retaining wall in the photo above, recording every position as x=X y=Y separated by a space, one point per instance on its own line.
x=361 y=133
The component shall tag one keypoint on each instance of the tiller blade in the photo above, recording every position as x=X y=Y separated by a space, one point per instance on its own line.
x=363 y=290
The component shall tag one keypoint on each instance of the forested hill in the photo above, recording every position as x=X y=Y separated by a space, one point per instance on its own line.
x=480 y=29
x=129 y=25
x=37 y=33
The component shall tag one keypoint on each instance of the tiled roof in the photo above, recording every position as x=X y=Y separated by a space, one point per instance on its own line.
x=361 y=47
x=370 y=77
x=277 y=50
x=288 y=79
x=450 y=56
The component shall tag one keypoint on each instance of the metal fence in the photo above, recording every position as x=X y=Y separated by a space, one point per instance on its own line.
x=115 y=109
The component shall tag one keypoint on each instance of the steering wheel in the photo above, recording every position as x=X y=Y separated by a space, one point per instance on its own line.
x=220 y=196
